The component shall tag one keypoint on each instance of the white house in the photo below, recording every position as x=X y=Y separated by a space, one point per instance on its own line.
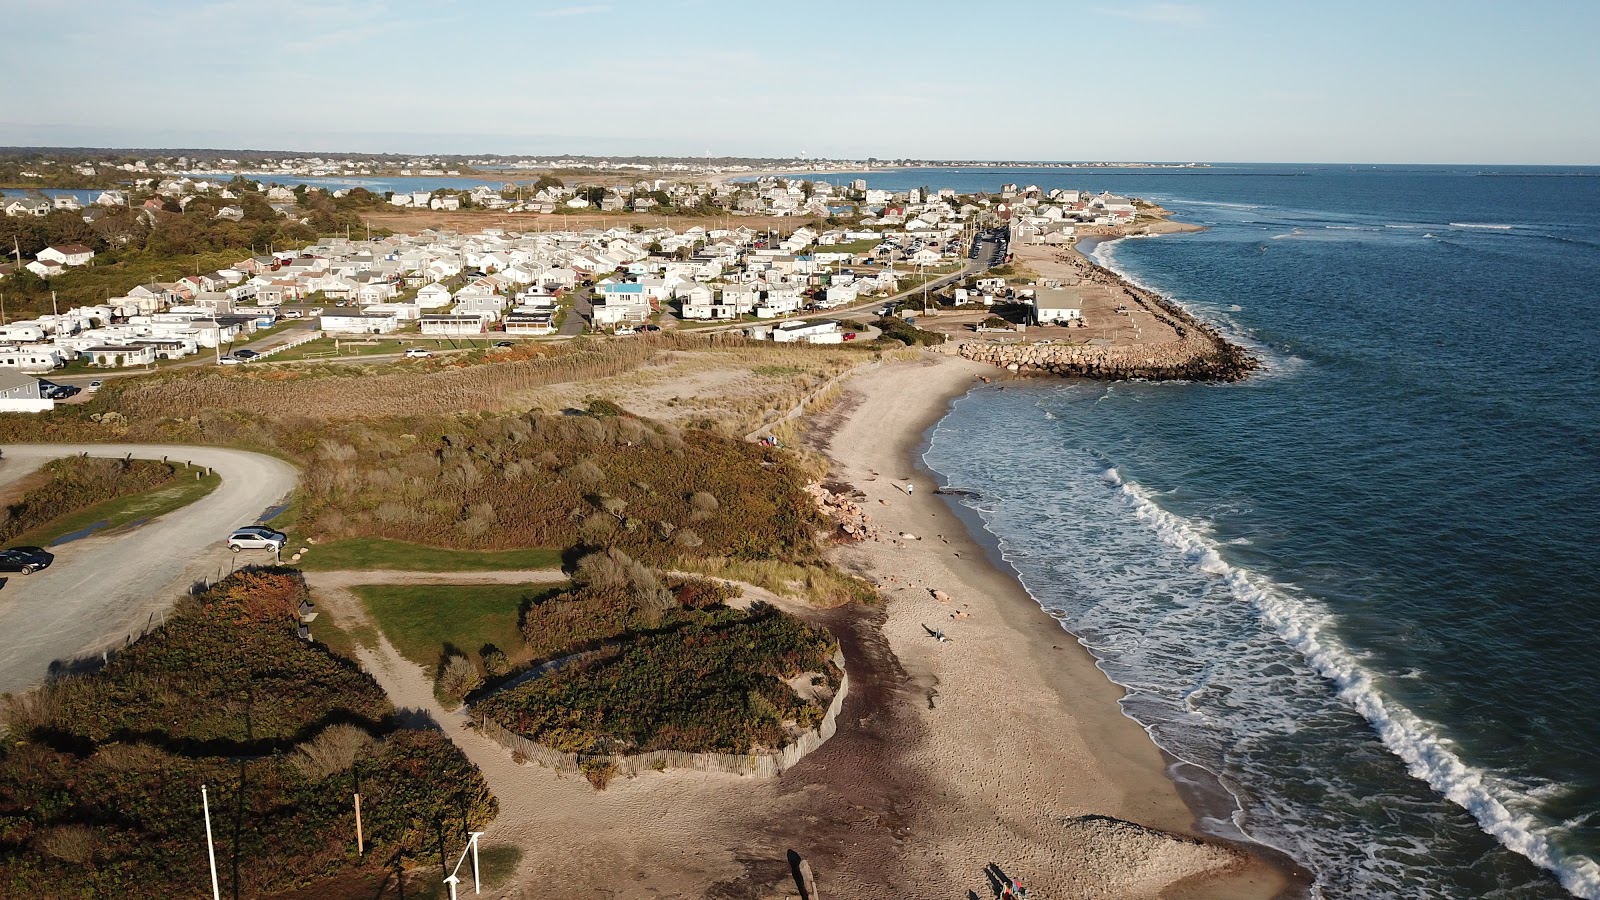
x=815 y=331
x=434 y=296
x=1056 y=305
x=45 y=268
x=359 y=323
x=449 y=325
x=20 y=393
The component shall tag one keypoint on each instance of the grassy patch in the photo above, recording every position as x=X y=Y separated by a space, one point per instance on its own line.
x=497 y=863
x=380 y=553
x=327 y=348
x=74 y=483
x=424 y=620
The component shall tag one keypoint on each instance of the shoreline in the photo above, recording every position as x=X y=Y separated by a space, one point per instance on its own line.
x=1055 y=710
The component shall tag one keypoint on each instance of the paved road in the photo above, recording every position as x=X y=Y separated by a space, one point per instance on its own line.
x=101 y=589
x=579 y=315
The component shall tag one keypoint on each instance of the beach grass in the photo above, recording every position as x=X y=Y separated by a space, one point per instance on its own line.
x=427 y=621
x=123 y=511
x=381 y=553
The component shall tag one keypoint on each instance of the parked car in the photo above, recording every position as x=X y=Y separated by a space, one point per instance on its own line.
x=650 y=327
x=229 y=361
x=504 y=344
x=257 y=537
x=624 y=331
x=93 y=386
x=246 y=354
x=292 y=314
x=26 y=560
x=418 y=353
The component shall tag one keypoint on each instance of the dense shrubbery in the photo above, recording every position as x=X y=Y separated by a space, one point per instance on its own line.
x=712 y=682
x=896 y=329
x=100 y=775
x=229 y=675
x=77 y=483
x=540 y=480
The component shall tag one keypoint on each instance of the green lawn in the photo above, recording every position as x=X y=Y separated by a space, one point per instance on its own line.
x=378 y=553
x=121 y=511
x=421 y=619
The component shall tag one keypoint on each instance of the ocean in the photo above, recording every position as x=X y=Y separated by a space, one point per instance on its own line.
x=1359 y=587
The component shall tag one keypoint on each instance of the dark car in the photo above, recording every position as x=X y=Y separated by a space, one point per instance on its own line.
x=650 y=328
x=26 y=560
x=504 y=344
x=245 y=354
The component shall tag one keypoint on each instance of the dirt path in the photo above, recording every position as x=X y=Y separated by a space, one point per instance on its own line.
x=665 y=835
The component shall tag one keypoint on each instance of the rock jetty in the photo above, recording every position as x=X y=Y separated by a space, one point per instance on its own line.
x=1197 y=353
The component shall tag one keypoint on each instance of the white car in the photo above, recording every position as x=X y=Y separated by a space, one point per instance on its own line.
x=257 y=537
x=418 y=353
x=230 y=361
x=624 y=331
x=93 y=386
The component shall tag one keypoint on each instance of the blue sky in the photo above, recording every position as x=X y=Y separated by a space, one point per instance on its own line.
x=1421 y=81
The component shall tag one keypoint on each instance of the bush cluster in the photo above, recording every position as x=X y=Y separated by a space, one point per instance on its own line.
x=714 y=682
x=673 y=667
x=541 y=480
x=100 y=773
x=80 y=482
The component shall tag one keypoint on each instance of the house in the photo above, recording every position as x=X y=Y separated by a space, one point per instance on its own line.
x=359 y=323
x=433 y=296
x=27 y=206
x=231 y=213
x=66 y=201
x=813 y=331
x=533 y=324
x=453 y=325
x=68 y=254
x=117 y=355
x=45 y=268
x=112 y=198
x=1056 y=305
x=20 y=393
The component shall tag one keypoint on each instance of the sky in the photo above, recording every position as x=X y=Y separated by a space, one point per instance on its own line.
x=1398 y=81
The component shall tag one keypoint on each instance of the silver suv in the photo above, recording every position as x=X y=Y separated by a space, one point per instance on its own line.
x=257 y=537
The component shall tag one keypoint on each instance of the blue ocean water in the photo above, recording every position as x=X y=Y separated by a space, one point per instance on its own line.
x=1360 y=586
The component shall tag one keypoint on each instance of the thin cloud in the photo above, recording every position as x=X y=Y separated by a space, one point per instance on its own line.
x=1161 y=14
x=566 y=11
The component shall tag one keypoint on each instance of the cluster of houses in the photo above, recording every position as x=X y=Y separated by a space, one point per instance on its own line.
x=1052 y=217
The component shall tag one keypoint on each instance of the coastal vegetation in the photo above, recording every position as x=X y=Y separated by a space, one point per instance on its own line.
x=79 y=492
x=665 y=666
x=100 y=772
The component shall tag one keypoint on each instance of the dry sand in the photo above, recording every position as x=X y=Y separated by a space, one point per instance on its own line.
x=1004 y=747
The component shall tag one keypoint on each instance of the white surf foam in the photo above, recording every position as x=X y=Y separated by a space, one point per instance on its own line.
x=1486 y=225
x=1301 y=624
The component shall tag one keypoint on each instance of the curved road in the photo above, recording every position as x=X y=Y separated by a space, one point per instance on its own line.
x=100 y=590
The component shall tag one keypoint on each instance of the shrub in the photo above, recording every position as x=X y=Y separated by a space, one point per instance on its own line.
x=707 y=680
x=457 y=678
x=333 y=751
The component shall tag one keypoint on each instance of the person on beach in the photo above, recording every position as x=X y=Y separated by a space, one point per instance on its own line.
x=909 y=487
